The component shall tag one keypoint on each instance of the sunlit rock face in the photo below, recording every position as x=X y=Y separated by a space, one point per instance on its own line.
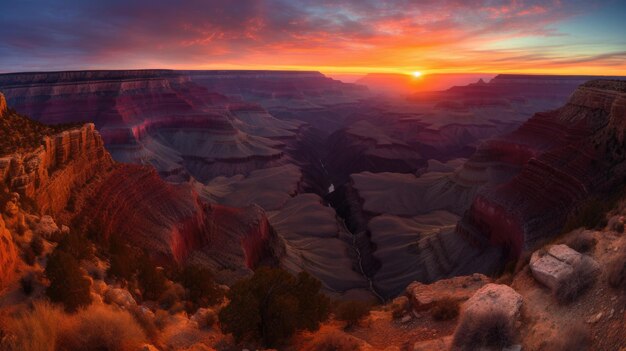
x=8 y=255
x=563 y=152
x=49 y=173
x=72 y=177
x=3 y=104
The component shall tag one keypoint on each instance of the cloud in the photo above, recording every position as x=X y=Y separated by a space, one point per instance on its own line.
x=367 y=34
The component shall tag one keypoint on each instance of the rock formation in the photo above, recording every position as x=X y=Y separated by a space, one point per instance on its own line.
x=8 y=255
x=64 y=162
x=560 y=153
x=3 y=105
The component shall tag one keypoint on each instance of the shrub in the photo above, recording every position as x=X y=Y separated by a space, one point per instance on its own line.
x=68 y=284
x=171 y=296
x=352 y=312
x=29 y=256
x=36 y=244
x=271 y=305
x=489 y=330
x=101 y=327
x=151 y=278
x=583 y=277
x=37 y=329
x=590 y=214
x=445 y=309
x=26 y=283
x=203 y=291
x=78 y=246
x=616 y=271
x=336 y=341
x=123 y=259
x=574 y=338
x=615 y=224
x=581 y=240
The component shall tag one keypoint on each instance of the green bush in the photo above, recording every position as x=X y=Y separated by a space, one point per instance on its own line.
x=271 y=305
x=68 y=283
x=203 y=291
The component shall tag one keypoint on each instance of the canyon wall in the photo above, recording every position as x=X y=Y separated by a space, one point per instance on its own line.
x=49 y=173
x=561 y=154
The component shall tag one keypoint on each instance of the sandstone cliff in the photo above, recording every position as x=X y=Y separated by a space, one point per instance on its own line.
x=49 y=173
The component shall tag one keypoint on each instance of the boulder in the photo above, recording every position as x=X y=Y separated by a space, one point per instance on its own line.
x=120 y=297
x=557 y=264
x=493 y=299
x=424 y=296
x=488 y=319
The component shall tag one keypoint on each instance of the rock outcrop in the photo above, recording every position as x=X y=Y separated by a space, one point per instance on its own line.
x=424 y=296
x=8 y=255
x=3 y=105
x=558 y=264
x=559 y=153
x=64 y=162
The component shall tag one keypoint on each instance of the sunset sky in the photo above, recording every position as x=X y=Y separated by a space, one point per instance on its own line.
x=358 y=36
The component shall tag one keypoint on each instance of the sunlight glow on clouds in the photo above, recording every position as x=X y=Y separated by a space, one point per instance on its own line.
x=355 y=36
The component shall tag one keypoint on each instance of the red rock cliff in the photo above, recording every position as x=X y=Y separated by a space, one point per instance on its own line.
x=566 y=156
x=64 y=162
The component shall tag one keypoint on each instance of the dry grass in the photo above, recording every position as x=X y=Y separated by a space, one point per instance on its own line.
x=583 y=277
x=101 y=327
x=616 y=270
x=47 y=328
x=36 y=330
x=581 y=240
x=493 y=330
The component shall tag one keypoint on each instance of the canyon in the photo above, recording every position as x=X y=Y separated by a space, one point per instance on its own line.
x=236 y=169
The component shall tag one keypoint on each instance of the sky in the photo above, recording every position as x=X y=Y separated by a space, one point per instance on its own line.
x=335 y=37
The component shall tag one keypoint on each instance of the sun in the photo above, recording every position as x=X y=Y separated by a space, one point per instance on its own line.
x=416 y=74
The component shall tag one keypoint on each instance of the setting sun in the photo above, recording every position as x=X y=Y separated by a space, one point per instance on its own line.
x=417 y=74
